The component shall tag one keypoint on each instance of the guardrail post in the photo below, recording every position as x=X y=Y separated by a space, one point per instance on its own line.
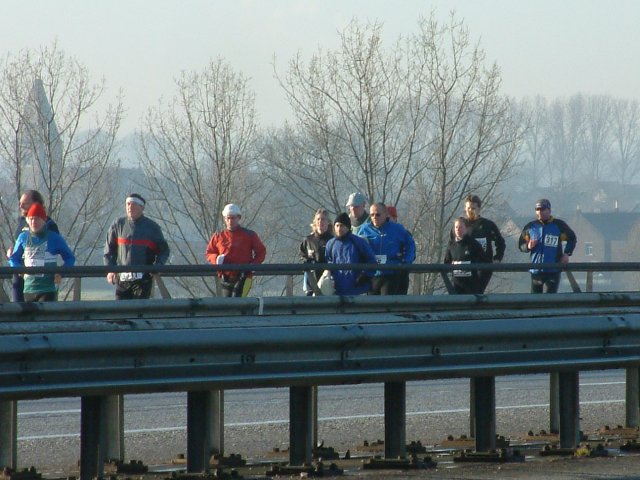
x=198 y=421
x=554 y=403
x=472 y=408
x=112 y=432
x=91 y=421
x=575 y=288
x=300 y=425
x=632 y=403
x=314 y=413
x=216 y=425
x=77 y=289
x=589 y=284
x=447 y=283
x=4 y=298
x=289 y=285
x=162 y=288
x=395 y=419
x=9 y=434
x=485 y=413
x=569 y=410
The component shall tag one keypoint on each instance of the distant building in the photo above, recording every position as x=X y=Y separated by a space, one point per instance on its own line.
x=605 y=236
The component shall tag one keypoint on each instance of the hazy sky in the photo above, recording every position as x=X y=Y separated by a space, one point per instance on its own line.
x=548 y=47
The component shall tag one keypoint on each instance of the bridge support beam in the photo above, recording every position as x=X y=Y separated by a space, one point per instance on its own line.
x=215 y=429
x=395 y=419
x=472 y=408
x=199 y=413
x=300 y=425
x=112 y=431
x=569 y=409
x=314 y=414
x=9 y=434
x=484 y=408
x=554 y=402
x=92 y=456
x=632 y=397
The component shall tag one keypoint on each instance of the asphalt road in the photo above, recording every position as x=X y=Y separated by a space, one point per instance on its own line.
x=257 y=420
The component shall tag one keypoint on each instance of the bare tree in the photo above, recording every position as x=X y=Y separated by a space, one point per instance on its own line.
x=199 y=153
x=473 y=134
x=566 y=137
x=625 y=137
x=535 y=146
x=52 y=139
x=584 y=141
x=597 y=140
x=420 y=125
x=358 y=115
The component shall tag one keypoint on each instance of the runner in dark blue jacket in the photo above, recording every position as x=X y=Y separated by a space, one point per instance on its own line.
x=346 y=248
x=543 y=238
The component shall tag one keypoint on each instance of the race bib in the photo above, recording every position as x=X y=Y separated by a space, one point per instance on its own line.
x=130 y=276
x=551 y=240
x=33 y=262
x=381 y=259
x=461 y=273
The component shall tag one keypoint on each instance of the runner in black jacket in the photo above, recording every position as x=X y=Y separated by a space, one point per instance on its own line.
x=312 y=248
x=487 y=234
x=463 y=249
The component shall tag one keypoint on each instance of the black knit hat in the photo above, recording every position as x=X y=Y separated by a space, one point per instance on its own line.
x=344 y=219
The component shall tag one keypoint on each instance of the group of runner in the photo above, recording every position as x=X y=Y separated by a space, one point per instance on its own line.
x=357 y=237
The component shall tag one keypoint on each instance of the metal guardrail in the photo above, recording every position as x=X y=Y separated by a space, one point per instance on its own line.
x=297 y=268
x=88 y=348
x=94 y=349
x=126 y=355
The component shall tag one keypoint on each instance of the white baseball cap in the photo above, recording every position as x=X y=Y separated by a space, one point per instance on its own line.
x=230 y=210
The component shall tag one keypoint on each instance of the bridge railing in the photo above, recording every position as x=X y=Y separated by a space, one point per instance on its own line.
x=290 y=271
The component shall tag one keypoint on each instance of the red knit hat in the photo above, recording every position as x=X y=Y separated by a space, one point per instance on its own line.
x=37 y=210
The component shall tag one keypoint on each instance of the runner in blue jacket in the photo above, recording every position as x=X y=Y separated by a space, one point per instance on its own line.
x=39 y=247
x=543 y=239
x=392 y=245
x=345 y=248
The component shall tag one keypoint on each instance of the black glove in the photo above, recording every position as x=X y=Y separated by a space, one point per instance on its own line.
x=361 y=280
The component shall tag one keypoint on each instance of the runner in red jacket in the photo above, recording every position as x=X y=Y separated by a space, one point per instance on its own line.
x=238 y=245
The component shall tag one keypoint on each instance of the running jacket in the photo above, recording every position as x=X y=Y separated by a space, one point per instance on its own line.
x=135 y=242
x=312 y=249
x=40 y=250
x=549 y=248
x=239 y=246
x=467 y=250
x=391 y=243
x=486 y=233
x=350 y=249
